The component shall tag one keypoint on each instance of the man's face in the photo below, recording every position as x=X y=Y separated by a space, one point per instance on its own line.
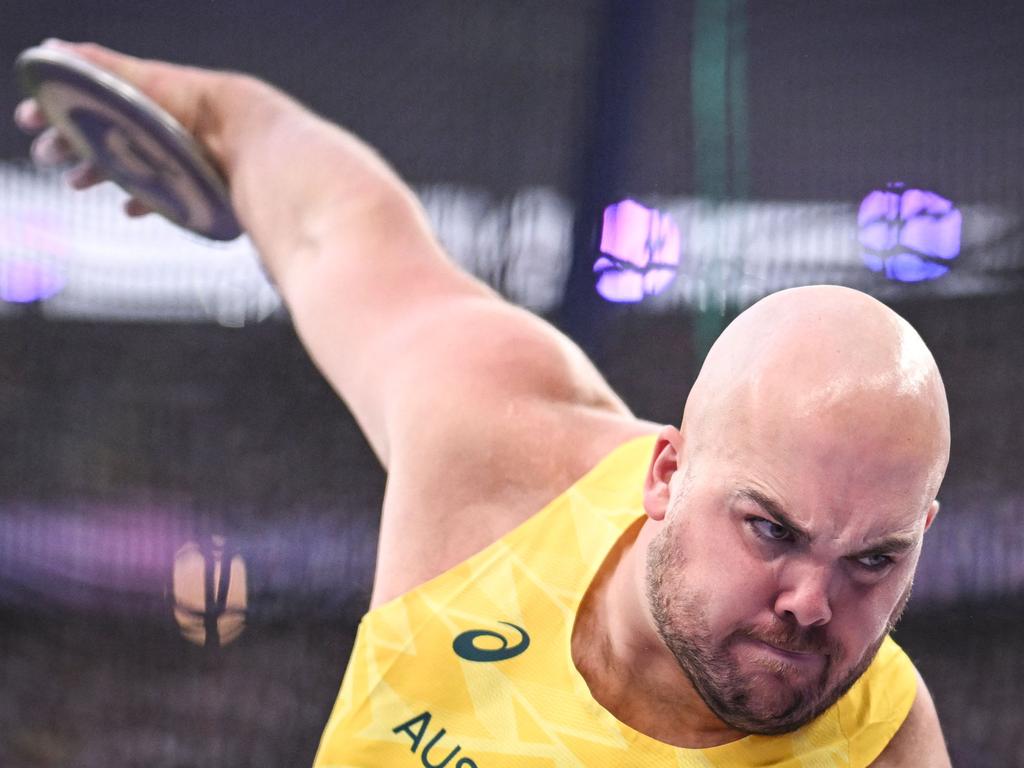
x=779 y=569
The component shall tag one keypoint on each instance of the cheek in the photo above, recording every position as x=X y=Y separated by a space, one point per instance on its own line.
x=738 y=588
x=860 y=616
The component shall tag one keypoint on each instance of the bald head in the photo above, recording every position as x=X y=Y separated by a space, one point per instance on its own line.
x=790 y=509
x=827 y=359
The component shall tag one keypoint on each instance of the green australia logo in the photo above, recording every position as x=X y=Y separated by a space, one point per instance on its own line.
x=465 y=645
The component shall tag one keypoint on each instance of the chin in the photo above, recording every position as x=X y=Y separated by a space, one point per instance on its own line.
x=773 y=709
x=769 y=704
x=767 y=707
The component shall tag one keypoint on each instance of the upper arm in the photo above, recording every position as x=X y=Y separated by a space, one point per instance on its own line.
x=480 y=411
x=510 y=415
x=919 y=742
x=417 y=347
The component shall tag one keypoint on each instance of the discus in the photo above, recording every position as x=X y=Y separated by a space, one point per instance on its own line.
x=131 y=139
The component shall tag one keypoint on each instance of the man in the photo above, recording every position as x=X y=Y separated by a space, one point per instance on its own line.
x=559 y=583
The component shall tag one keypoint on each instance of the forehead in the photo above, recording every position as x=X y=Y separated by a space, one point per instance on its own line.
x=827 y=487
x=876 y=446
x=856 y=467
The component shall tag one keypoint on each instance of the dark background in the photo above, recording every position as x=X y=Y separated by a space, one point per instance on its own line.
x=122 y=441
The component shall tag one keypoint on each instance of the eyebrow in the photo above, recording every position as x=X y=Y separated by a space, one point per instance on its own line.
x=895 y=544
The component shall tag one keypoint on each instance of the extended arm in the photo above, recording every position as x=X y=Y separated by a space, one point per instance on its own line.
x=378 y=304
x=480 y=411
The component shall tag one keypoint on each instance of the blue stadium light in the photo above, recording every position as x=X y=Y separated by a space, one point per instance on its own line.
x=22 y=281
x=911 y=234
x=640 y=250
x=30 y=249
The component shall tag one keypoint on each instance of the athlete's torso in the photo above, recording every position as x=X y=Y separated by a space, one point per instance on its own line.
x=473 y=669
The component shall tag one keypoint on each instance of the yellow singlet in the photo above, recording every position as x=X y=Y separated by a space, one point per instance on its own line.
x=473 y=668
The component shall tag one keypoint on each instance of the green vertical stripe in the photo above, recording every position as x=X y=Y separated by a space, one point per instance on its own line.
x=718 y=88
x=708 y=87
x=718 y=92
x=737 y=85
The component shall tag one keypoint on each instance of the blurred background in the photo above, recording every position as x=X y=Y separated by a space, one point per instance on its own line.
x=187 y=512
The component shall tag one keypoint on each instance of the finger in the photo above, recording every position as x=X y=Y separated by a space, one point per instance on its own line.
x=159 y=80
x=29 y=117
x=84 y=175
x=136 y=208
x=126 y=67
x=51 y=149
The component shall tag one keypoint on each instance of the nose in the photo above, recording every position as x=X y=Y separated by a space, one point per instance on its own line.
x=804 y=595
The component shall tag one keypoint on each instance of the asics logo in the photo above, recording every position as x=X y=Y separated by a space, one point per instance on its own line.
x=465 y=645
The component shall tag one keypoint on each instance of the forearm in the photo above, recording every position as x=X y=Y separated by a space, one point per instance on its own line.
x=395 y=327
x=301 y=185
x=343 y=238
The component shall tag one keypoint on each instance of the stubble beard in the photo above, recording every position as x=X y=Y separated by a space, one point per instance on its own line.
x=681 y=621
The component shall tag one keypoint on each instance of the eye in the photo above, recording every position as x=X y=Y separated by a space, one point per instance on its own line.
x=874 y=562
x=769 y=530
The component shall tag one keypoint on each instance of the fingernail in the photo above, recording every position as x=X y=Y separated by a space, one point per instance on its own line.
x=53 y=42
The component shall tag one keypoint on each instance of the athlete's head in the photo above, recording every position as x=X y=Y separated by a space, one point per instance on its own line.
x=786 y=515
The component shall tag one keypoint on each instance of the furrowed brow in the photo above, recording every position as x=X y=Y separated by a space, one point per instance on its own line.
x=773 y=509
x=891 y=545
x=897 y=544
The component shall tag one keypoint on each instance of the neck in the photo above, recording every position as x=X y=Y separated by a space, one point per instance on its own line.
x=627 y=667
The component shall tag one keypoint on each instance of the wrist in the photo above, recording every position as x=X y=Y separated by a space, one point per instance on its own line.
x=230 y=107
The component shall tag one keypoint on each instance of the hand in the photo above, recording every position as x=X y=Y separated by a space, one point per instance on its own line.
x=182 y=91
x=51 y=148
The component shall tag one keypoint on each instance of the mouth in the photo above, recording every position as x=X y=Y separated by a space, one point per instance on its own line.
x=805 y=661
x=792 y=652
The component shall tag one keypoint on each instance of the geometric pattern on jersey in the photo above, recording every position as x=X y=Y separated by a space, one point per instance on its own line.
x=408 y=699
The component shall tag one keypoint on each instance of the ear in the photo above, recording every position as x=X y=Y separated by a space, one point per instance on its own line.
x=933 y=510
x=664 y=464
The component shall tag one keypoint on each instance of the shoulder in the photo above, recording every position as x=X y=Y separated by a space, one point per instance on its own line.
x=919 y=742
x=460 y=517
x=492 y=414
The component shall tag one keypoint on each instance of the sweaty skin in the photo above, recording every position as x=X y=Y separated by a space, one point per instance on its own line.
x=721 y=618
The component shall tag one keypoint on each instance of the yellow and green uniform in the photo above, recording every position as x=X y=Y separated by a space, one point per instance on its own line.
x=473 y=669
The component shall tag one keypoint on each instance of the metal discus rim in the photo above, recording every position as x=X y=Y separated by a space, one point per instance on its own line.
x=32 y=67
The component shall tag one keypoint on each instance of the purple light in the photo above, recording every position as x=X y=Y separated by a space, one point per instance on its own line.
x=639 y=252
x=33 y=273
x=22 y=282
x=909 y=234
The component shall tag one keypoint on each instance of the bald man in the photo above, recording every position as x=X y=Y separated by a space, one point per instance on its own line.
x=559 y=583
